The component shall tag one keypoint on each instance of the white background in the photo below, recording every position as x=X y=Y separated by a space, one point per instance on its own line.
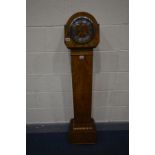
x=13 y=73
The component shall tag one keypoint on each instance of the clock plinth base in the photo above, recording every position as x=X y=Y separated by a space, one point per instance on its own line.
x=82 y=133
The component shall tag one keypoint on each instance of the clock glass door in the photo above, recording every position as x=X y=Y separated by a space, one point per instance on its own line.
x=81 y=30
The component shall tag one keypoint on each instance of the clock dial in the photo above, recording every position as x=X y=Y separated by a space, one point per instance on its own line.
x=81 y=30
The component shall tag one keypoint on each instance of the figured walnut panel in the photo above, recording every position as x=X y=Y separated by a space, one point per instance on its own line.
x=82 y=85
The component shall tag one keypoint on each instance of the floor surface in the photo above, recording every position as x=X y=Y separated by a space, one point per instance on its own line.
x=108 y=143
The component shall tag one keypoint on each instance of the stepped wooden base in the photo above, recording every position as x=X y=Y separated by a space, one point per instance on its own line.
x=82 y=133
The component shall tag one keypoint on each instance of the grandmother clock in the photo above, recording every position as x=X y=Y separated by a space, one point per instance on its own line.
x=81 y=36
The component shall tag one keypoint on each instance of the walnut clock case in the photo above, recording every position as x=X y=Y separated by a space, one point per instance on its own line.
x=81 y=36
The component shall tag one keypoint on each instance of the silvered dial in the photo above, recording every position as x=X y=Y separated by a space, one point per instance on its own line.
x=81 y=30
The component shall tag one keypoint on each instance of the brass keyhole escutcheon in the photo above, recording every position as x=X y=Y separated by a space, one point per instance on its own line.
x=81 y=57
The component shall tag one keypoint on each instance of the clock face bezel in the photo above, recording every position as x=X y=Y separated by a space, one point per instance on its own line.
x=76 y=27
x=91 y=42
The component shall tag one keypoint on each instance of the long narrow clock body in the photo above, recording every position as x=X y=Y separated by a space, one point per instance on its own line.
x=81 y=36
